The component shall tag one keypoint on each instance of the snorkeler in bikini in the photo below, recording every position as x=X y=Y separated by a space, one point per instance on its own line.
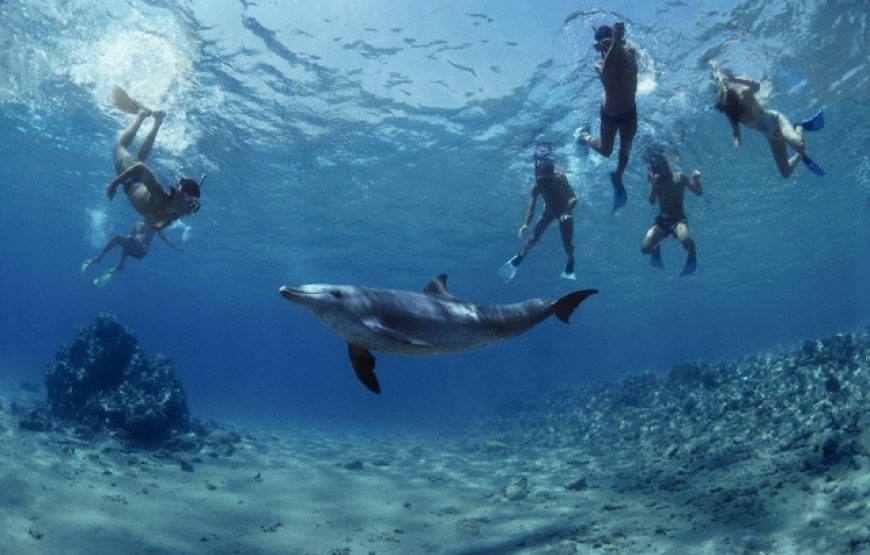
x=736 y=98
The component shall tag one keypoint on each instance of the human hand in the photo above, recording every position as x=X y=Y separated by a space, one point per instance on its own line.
x=523 y=228
x=736 y=142
x=618 y=30
x=696 y=174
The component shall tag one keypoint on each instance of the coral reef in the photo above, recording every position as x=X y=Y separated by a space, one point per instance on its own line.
x=801 y=410
x=104 y=380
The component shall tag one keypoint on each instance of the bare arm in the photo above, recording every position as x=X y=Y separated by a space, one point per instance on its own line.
x=735 y=130
x=617 y=46
x=572 y=199
x=694 y=184
x=753 y=86
x=530 y=211
x=168 y=242
x=653 y=189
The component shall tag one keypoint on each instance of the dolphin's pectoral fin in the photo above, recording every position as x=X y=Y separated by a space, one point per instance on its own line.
x=438 y=288
x=364 y=364
x=377 y=327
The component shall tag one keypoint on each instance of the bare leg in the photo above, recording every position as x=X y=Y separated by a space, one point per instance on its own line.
x=125 y=140
x=120 y=266
x=540 y=227
x=780 y=155
x=148 y=143
x=567 y=231
x=653 y=237
x=116 y=241
x=681 y=231
x=604 y=146
x=626 y=137
x=791 y=134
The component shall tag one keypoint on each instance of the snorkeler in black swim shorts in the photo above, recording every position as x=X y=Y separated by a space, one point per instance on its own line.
x=668 y=188
x=618 y=72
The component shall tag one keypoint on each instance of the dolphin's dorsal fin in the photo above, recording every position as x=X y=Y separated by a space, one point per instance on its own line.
x=438 y=288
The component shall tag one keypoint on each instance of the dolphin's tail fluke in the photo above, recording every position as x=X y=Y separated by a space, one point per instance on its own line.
x=566 y=305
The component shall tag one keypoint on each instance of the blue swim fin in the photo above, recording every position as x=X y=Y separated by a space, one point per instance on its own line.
x=509 y=269
x=815 y=168
x=620 y=197
x=691 y=264
x=815 y=123
x=655 y=258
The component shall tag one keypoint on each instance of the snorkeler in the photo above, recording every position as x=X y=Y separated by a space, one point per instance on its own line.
x=135 y=245
x=559 y=202
x=618 y=72
x=669 y=188
x=736 y=99
x=158 y=207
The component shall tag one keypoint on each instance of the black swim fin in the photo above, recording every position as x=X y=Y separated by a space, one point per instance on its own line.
x=364 y=364
x=815 y=123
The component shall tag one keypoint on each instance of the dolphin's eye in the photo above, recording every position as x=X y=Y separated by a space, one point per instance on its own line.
x=336 y=293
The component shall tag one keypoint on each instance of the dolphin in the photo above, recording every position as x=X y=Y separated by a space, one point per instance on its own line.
x=433 y=322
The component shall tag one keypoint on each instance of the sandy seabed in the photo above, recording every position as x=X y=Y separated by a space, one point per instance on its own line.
x=318 y=491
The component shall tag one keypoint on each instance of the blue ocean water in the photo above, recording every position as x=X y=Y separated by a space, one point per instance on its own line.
x=382 y=143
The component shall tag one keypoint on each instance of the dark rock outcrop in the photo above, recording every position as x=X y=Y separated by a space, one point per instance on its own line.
x=104 y=380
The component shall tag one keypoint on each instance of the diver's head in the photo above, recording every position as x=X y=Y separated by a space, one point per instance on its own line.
x=603 y=38
x=189 y=191
x=658 y=163
x=545 y=170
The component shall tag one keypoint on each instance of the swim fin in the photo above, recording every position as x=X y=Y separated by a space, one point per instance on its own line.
x=815 y=123
x=87 y=264
x=620 y=197
x=125 y=102
x=509 y=268
x=815 y=168
x=102 y=280
x=581 y=147
x=568 y=272
x=655 y=258
x=691 y=264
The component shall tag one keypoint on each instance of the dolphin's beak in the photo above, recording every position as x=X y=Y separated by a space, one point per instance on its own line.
x=289 y=293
